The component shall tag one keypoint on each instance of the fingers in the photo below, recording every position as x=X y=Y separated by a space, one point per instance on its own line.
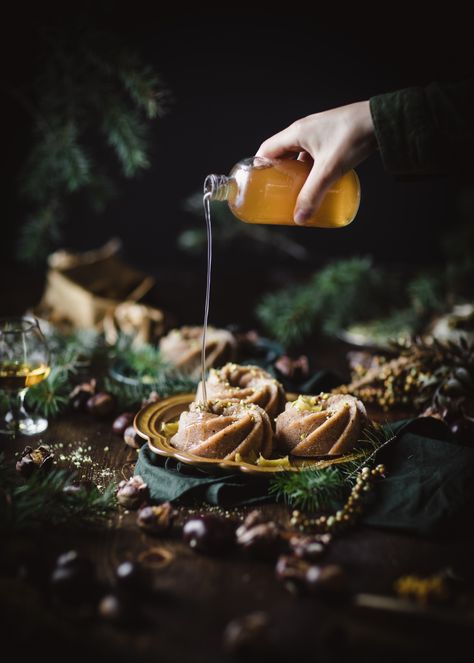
x=283 y=144
x=305 y=156
x=312 y=193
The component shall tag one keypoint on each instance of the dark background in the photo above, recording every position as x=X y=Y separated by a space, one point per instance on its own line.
x=236 y=77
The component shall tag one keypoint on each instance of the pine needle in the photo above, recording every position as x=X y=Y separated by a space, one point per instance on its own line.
x=319 y=488
x=311 y=489
x=41 y=501
x=88 y=87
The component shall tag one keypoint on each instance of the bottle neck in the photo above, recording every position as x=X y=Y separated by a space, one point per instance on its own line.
x=217 y=186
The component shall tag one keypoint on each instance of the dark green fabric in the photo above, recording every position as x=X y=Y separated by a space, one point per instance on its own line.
x=429 y=488
x=424 y=131
x=168 y=479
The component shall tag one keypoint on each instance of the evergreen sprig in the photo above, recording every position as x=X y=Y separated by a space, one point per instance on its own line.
x=42 y=501
x=311 y=489
x=90 y=89
x=130 y=373
x=317 y=489
x=68 y=354
x=352 y=295
x=167 y=383
x=333 y=297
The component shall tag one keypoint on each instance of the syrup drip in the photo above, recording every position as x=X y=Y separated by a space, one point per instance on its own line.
x=207 y=214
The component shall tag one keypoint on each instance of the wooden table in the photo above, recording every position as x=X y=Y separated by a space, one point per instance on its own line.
x=195 y=596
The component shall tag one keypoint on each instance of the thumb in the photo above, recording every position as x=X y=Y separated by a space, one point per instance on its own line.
x=312 y=193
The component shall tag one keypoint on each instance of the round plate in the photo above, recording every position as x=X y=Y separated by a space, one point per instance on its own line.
x=148 y=424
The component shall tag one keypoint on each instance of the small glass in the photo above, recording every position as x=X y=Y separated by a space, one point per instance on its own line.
x=24 y=362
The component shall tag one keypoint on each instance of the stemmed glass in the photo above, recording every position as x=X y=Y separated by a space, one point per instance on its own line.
x=24 y=362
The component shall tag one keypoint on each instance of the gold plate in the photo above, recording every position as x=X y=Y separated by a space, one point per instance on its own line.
x=148 y=425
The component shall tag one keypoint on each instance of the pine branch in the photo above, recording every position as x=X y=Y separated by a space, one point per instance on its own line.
x=143 y=361
x=39 y=233
x=289 y=315
x=127 y=135
x=57 y=162
x=347 y=293
x=49 y=397
x=333 y=297
x=144 y=87
x=167 y=383
x=311 y=489
x=42 y=501
x=88 y=86
x=316 y=489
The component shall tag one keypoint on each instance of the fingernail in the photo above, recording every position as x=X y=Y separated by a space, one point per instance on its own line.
x=301 y=216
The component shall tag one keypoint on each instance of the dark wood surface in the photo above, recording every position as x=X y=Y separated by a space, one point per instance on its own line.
x=195 y=596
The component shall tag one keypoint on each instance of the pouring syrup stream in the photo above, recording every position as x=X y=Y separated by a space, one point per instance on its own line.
x=207 y=214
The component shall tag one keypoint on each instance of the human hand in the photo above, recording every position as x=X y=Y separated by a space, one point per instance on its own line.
x=335 y=140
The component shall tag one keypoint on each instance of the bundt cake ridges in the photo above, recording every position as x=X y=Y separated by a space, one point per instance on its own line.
x=321 y=425
x=248 y=384
x=223 y=430
x=182 y=348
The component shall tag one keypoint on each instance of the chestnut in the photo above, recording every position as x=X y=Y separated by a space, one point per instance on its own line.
x=82 y=486
x=209 y=534
x=262 y=540
x=122 y=422
x=114 y=609
x=293 y=369
x=248 y=635
x=463 y=430
x=330 y=579
x=34 y=459
x=81 y=394
x=132 y=578
x=133 y=493
x=306 y=547
x=156 y=519
x=291 y=571
x=73 y=579
x=131 y=438
x=101 y=404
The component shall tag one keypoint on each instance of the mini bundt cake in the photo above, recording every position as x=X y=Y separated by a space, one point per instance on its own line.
x=223 y=430
x=248 y=384
x=321 y=425
x=182 y=348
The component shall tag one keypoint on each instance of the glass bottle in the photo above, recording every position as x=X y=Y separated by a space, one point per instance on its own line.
x=261 y=190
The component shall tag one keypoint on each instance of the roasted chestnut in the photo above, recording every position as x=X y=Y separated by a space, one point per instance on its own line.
x=101 y=404
x=133 y=493
x=330 y=579
x=81 y=394
x=463 y=430
x=132 y=578
x=122 y=422
x=262 y=540
x=34 y=459
x=248 y=635
x=307 y=547
x=156 y=519
x=209 y=534
x=73 y=579
x=131 y=438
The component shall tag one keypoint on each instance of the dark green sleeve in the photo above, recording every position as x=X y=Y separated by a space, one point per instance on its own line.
x=426 y=130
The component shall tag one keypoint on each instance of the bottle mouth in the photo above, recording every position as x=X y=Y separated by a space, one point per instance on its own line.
x=216 y=187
